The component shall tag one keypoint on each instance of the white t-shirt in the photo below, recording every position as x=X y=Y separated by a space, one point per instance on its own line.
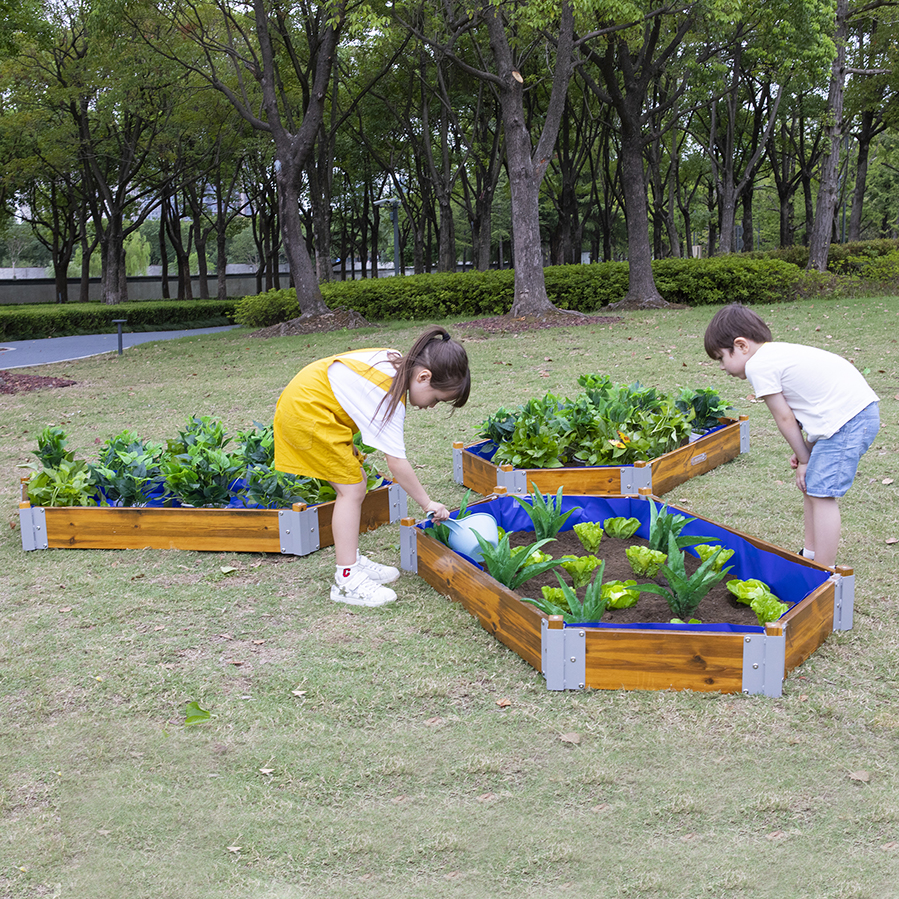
x=824 y=390
x=360 y=398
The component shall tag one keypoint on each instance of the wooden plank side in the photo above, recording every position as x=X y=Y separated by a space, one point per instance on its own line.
x=587 y=481
x=696 y=458
x=478 y=474
x=237 y=530
x=807 y=625
x=375 y=512
x=500 y=612
x=662 y=660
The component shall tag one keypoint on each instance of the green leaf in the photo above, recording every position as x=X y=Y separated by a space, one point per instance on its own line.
x=195 y=715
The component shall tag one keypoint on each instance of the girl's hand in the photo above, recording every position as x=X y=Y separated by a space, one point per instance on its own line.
x=441 y=513
x=794 y=462
x=801 y=468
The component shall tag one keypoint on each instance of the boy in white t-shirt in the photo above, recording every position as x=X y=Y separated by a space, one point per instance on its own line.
x=806 y=389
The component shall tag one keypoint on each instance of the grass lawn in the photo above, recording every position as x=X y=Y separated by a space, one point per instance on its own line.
x=402 y=751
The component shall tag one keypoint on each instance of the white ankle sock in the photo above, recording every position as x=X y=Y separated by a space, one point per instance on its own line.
x=808 y=554
x=344 y=571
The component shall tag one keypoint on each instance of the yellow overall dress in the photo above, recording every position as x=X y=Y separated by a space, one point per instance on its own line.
x=313 y=434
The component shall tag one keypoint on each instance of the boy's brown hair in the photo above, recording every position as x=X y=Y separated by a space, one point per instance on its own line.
x=730 y=323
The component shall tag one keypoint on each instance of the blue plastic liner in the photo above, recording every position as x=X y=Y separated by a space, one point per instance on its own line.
x=790 y=581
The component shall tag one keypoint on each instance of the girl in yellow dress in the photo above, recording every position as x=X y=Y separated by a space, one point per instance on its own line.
x=365 y=390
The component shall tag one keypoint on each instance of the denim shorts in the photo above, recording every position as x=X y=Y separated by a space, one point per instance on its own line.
x=834 y=460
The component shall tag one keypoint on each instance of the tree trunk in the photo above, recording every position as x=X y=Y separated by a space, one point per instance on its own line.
x=829 y=179
x=525 y=170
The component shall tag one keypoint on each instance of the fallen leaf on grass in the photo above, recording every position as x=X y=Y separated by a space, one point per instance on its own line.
x=504 y=703
x=487 y=797
x=399 y=800
x=267 y=771
x=861 y=776
x=258 y=642
x=66 y=609
x=776 y=835
x=571 y=738
x=890 y=847
x=603 y=806
x=228 y=569
x=234 y=848
x=891 y=540
x=434 y=721
x=887 y=481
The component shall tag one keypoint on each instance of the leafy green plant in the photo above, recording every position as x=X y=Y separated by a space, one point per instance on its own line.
x=590 y=534
x=535 y=557
x=645 y=562
x=545 y=513
x=590 y=609
x=201 y=430
x=257 y=446
x=702 y=407
x=512 y=569
x=663 y=524
x=706 y=551
x=684 y=594
x=621 y=528
x=499 y=427
x=203 y=475
x=51 y=447
x=129 y=472
x=620 y=594
x=70 y=483
x=580 y=568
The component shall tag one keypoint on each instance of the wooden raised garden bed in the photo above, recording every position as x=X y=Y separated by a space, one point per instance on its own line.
x=473 y=468
x=297 y=531
x=706 y=657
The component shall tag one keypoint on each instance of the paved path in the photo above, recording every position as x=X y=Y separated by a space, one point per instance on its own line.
x=25 y=353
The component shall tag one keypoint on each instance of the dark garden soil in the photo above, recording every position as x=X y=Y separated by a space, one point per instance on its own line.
x=336 y=320
x=718 y=607
x=15 y=383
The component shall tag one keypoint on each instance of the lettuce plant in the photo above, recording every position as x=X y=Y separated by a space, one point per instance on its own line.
x=580 y=569
x=590 y=534
x=758 y=596
x=684 y=594
x=645 y=562
x=705 y=551
x=621 y=528
x=555 y=596
x=620 y=594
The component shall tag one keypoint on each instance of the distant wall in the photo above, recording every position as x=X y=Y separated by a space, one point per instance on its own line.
x=42 y=290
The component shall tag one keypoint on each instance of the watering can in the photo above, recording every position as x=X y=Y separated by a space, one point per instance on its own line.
x=462 y=537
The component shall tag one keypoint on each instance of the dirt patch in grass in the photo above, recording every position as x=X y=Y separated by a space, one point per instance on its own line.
x=506 y=324
x=16 y=383
x=336 y=320
x=719 y=606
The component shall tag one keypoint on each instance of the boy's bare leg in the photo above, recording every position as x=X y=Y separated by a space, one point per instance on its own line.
x=822 y=528
x=346 y=520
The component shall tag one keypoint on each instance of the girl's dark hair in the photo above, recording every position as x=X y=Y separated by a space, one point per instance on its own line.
x=445 y=359
x=730 y=323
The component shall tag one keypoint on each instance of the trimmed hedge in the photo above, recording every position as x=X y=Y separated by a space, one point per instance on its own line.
x=58 y=320
x=584 y=288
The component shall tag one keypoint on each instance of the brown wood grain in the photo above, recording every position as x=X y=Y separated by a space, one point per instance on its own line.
x=696 y=458
x=238 y=530
x=500 y=612
x=807 y=625
x=663 y=660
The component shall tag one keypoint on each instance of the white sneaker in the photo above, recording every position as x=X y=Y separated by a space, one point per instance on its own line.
x=360 y=590
x=380 y=574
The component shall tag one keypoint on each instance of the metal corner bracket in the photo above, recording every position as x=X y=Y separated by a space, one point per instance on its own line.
x=564 y=657
x=299 y=531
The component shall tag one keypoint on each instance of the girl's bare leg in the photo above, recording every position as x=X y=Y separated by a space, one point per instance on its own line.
x=346 y=520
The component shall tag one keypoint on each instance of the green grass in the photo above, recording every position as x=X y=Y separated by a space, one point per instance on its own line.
x=363 y=753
